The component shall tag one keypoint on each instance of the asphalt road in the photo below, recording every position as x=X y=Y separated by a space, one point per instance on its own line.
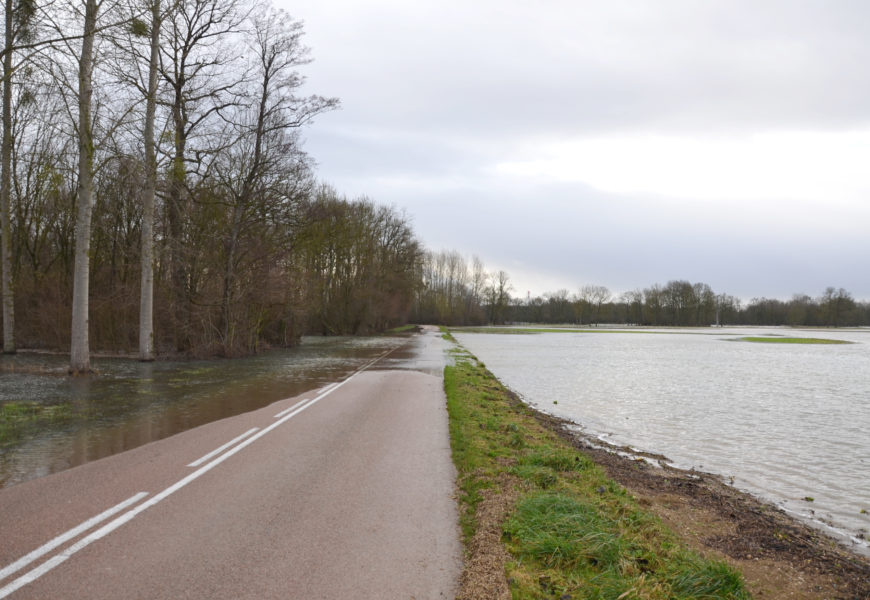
x=347 y=495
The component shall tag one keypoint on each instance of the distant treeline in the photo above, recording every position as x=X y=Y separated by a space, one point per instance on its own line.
x=681 y=303
x=457 y=291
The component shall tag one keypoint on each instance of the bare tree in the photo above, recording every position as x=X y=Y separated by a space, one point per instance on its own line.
x=18 y=28
x=146 y=287
x=80 y=360
x=600 y=296
x=498 y=296
x=266 y=161
x=146 y=290
x=197 y=64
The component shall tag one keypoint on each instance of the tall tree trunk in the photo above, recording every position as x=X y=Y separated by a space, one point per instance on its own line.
x=5 y=191
x=231 y=244
x=241 y=202
x=80 y=360
x=175 y=212
x=146 y=295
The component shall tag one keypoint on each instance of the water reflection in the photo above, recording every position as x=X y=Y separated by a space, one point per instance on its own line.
x=129 y=403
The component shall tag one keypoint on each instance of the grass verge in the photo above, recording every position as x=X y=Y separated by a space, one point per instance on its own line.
x=564 y=529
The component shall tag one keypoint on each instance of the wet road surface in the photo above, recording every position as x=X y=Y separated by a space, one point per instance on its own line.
x=342 y=492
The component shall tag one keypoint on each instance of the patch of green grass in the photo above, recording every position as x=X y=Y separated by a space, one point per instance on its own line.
x=533 y=330
x=573 y=531
x=561 y=531
x=445 y=333
x=17 y=419
x=581 y=329
x=790 y=340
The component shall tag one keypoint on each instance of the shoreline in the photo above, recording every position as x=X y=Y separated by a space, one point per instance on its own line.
x=852 y=542
x=780 y=555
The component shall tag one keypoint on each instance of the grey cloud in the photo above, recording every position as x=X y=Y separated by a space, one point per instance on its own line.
x=434 y=92
x=587 y=236
x=696 y=66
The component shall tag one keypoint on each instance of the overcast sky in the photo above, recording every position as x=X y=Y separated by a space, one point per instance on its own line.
x=617 y=143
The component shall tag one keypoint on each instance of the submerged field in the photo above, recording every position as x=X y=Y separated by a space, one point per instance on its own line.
x=542 y=520
x=705 y=402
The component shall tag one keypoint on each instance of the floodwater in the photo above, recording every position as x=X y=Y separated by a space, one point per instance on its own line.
x=788 y=422
x=129 y=403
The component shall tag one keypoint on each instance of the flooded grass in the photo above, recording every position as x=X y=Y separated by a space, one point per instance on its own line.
x=20 y=419
x=570 y=532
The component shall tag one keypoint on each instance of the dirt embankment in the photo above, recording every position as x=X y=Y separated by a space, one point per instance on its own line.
x=780 y=557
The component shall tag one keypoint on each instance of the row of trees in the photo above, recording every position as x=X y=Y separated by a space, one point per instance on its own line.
x=682 y=303
x=155 y=191
x=358 y=266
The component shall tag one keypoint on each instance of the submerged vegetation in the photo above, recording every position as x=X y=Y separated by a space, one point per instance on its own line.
x=570 y=532
x=17 y=419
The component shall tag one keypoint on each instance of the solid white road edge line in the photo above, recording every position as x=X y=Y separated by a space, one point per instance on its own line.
x=108 y=528
x=216 y=451
x=65 y=537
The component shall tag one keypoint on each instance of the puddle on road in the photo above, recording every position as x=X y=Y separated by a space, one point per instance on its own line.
x=427 y=356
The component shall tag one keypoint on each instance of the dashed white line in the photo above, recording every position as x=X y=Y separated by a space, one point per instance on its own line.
x=216 y=451
x=65 y=537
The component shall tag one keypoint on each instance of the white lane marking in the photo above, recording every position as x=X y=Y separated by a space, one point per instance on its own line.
x=108 y=528
x=216 y=451
x=65 y=537
x=326 y=387
x=286 y=410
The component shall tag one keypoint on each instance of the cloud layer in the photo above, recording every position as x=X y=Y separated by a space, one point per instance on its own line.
x=616 y=143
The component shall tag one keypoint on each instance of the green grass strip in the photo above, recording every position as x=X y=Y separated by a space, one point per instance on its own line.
x=638 y=331
x=790 y=340
x=532 y=330
x=573 y=532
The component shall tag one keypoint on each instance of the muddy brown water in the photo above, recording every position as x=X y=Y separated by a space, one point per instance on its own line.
x=128 y=403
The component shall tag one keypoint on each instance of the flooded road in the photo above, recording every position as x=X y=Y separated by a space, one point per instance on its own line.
x=129 y=403
x=787 y=422
x=345 y=491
